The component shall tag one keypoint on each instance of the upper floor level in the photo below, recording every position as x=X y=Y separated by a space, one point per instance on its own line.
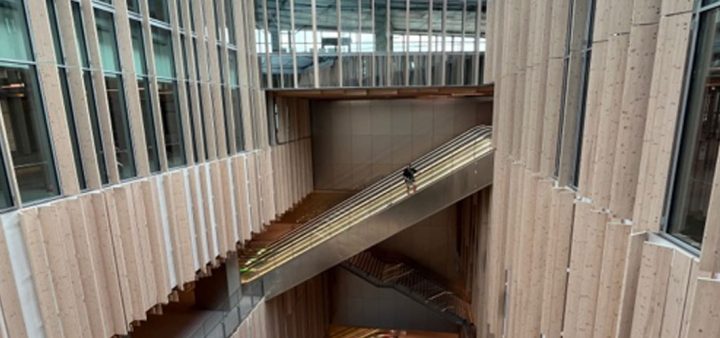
x=369 y=43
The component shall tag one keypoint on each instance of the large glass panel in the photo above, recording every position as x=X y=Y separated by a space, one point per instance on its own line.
x=159 y=10
x=162 y=46
x=698 y=153
x=138 y=47
x=172 y=124
x=55 y=32
x=14 y=31
x=97 y=136
x=134 y=6
x=230 y=21
x=191 y=118
x=121 y=127
x=106 y=39
x=27 y=132
x=350 y=25
x=72 y=128
x=237 y=110
x=232 y=62
x=80 y=34
x=148 y=123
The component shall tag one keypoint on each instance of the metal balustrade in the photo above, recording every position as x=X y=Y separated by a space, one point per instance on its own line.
x=411 y=282
x=463 y=150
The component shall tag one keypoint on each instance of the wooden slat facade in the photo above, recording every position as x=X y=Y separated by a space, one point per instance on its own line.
x=606 y=271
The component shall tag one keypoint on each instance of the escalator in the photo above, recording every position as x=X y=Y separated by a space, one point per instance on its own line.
x=445 y=175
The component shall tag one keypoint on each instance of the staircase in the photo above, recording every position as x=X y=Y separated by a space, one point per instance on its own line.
x=412 y=283
x=445 y=175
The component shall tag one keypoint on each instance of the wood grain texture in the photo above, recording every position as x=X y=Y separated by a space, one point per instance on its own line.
x=705 y=315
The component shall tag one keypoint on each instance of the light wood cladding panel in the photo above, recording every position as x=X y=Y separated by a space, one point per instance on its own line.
x=705 y=315
x=619 y=284
x=12 y=315
x=663 y=107
x=636 y=92
x=614 y=259
x=145 y=194
x=608 y=121
x=593 y=110
x=675 y=302
x=630 y=284
x=241 y=197
x=39 y=264
x=652 y=290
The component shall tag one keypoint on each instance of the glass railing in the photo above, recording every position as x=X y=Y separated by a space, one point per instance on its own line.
x=225 y=323
x=463 y=150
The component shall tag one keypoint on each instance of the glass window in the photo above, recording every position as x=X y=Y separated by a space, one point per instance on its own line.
x=55 y=32
x=144 y=93
x=181 y=20
x=88 y=83
x=134 y=6
x=698 y=145
x=577 y=71
x=72 y=128
x=172 y=123
x=120 y=124
x=232 y=64
x=162 y=46
x=138 y=47
x=62 y=72
x=191 y=117
x=14 y=31
x=237 y=110
x=22 y=111
x=97 y=136
x=106 y=38
x=148 y=123
x=27 y=132
x=230 y=22
x=80 y=34
x=159 y=10
x=115 y=95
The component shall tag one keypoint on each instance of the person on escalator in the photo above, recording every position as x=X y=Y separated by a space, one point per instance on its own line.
x=409 y=177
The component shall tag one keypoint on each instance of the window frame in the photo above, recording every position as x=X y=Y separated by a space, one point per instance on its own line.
x=668 y=203
x=14 y=193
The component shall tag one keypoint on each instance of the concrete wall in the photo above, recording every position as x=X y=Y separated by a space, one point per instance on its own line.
x=432 y=243
x=357 y=141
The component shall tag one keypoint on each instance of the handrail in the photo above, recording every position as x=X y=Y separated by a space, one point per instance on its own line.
x=392 y=196
x=363 y=201
x=436 y=163
x=379 y=185
x=421 y=162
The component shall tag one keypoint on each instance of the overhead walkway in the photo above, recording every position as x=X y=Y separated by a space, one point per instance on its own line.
x=412 y=283
x=445 y=175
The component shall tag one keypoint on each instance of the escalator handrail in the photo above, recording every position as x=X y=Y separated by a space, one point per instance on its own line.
x=368 y=193
x=299 y=245
x=307 y=240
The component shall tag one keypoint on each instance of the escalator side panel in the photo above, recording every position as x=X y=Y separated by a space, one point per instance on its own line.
x=375 y=229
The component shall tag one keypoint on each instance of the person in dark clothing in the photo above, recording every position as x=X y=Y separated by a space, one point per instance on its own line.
x=409 y=177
